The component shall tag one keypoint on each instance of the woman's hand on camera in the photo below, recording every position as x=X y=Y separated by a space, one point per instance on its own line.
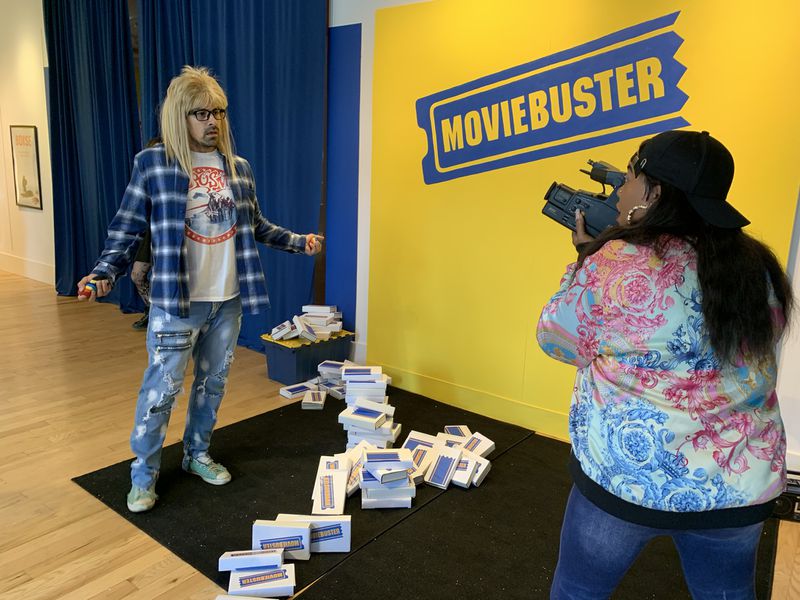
x=579 y=236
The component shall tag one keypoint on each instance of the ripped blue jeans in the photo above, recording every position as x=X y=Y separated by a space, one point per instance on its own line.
x=209 y=336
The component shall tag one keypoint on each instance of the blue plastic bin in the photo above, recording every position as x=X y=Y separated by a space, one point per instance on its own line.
x=293 y=361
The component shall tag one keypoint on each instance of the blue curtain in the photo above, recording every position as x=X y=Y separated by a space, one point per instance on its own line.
x=341 y=210
x=165 y=46
x=94 y=129
x=270 y=57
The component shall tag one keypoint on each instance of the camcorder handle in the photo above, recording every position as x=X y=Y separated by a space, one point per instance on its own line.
x=599 y=210
x=605 y=173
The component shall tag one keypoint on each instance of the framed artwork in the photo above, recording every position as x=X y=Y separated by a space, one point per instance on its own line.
x=25 y=155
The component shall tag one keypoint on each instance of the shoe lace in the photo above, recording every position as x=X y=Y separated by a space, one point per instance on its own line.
x=209 y=464
x=140 y=493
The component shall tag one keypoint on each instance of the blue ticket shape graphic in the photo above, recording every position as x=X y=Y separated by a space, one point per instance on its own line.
x=617 y=87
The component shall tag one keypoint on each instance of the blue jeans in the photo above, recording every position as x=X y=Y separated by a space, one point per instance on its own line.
x=597 y=549
x=209 y=336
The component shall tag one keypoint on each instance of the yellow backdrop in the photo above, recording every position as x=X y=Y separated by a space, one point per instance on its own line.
x=459 y=270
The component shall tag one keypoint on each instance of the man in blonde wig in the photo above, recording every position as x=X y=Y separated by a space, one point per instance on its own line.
x=198 y=199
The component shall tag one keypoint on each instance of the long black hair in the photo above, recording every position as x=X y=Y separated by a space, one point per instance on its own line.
x=736 y=274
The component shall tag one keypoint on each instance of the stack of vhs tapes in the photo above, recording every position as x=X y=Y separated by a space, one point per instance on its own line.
x=385 y=480
x=317 y=322
x=258 y=573
x=284 y=331
x=323 y=319
x=455 y=456
x=330 y=378
x=368 y=417
x=263 y=571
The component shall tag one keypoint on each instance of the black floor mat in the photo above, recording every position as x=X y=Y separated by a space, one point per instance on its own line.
x=498 y=540
x=273 y=459
x=501 y=541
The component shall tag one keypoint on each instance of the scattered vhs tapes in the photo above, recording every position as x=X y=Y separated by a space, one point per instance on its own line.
x=479 y=444
x=329 y=533
x=356 y=456
x=443 y=466
x=317 y=322
x=457 y=430
x=251 y=559
x=330 y=492
x=331 y=370
x=421 y=447
x=471 y=469
x=297 y=390
x=330 y=378
x=293 y=537
x=313 y=400
x=259 y=572
x=445 y=458
x=281 y=330
x=305 y=330
x=262 y=583
x=384 y=479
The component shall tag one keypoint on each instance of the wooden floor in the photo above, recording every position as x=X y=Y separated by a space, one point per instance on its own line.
x=67 y=389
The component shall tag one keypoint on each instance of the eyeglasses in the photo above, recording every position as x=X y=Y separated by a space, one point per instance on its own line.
x=203 y=114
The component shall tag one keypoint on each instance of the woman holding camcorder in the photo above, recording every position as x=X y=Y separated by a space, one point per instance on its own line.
x=672 y=318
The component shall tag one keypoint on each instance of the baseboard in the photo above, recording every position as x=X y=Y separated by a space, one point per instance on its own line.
x=793 y=461
x=25 y=267
x=359 y=352
x=542 y=420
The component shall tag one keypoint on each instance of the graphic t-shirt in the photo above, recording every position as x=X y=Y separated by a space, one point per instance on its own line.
x=210 y=231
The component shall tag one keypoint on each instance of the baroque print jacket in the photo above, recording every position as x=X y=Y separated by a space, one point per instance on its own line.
x=656 y=418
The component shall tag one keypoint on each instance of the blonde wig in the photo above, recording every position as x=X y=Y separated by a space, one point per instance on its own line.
x=194 y=88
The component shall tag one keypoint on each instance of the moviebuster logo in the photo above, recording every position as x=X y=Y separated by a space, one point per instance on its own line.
x=621 y=86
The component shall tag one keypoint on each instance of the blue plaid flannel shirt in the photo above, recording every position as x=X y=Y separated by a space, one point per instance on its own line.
x=157 y=194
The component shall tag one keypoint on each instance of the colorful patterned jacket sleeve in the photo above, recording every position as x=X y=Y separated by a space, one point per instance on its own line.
x=567 y=329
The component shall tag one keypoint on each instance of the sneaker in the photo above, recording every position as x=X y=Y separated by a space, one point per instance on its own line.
x=140 y=499
x=141 y=323
x=206 y=469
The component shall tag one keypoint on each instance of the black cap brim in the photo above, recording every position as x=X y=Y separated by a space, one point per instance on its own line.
x=719 y=214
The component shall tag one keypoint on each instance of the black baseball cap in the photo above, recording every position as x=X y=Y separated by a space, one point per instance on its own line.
x=699 y=166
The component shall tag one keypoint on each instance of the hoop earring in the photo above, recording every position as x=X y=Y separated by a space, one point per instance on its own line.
x=634 y=209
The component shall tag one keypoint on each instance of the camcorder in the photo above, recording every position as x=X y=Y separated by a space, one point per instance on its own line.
x=599 y=210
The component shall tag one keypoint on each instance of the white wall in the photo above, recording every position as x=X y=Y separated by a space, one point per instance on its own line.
x=26 y=235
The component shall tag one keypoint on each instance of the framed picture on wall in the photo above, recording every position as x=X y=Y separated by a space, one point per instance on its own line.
x=25 y=156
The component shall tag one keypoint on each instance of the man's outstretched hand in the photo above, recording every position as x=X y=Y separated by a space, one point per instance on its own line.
x=313 y=243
